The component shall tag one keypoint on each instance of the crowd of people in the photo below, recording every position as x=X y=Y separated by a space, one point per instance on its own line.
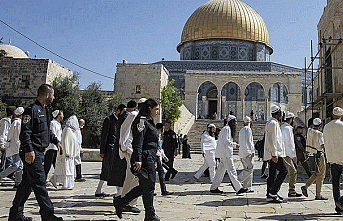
x=134 y=148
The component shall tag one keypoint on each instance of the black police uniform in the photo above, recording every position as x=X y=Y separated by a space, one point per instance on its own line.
x=35 y=136
x=169 y=146
x=144 y=144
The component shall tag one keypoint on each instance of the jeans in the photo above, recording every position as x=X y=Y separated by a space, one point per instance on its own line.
x=17 y=167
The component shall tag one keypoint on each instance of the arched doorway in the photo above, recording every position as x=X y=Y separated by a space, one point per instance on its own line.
x=254 y=101
x=207 y=100
x=231 y=99
x=278 y=94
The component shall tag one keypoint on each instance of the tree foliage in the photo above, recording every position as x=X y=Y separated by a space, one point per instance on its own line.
x=67 y=95
x=171 y=102
x=3 y=107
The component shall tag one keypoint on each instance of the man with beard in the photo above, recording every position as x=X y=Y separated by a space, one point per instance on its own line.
x=291 y=156
x=35 y=136
x=170 y=147
x=113 y=168
x=225 y=152
x=274 y=152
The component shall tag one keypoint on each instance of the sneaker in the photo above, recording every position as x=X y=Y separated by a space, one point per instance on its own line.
x=321 y=198
x=274 y=198
x=165 y=193
x=131 y=209
x=102 y=195
x=269 y=196
x=242 y=190
x=216 y=191
x=295 y=194
x=304 y=191
x=80 y=180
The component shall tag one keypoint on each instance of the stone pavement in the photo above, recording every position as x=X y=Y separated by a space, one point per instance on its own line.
x=191 y=201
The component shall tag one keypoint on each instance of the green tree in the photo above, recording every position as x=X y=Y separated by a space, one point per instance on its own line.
x=93 y=109
x=67 y=95
x=113 y=102
x=171 y=102
x=3 y=107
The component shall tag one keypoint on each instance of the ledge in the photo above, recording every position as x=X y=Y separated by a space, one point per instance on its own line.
x=91 y=155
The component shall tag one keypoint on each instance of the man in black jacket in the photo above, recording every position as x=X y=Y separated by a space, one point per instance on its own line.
x=35 y=136
x=170 y=147
x=113 y=168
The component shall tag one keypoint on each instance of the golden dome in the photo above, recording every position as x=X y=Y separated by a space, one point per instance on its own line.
x=225 y=19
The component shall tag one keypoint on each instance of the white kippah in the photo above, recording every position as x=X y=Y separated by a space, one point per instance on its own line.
x=337 y=111
x=142 y=100
x=231 y=117
x=289 y=115
x=211 y=125
x=19 y=111
x=274 y=109
x=55 y=113
x=247 y=119
x=317 y=121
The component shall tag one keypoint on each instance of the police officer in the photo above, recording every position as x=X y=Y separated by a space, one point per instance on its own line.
x=143 y=159
x=170 y=147
x=35 y=136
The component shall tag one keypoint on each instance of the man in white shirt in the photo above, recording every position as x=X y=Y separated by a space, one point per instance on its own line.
x=291 y=155
x=225 y=153
x=5 y=124
x=274 y=152
x=333 y=137
x=12 y=148
x=246 y=153
x=51 y=151
x=315 y=147
x=208 y=149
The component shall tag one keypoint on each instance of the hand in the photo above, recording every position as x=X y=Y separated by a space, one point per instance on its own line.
x=30 y=157
x=60 y=148
x=295 y=160
x=275 y=159
x=203 y=154
x=138 y=166
x=102 y=155
x=165 y=159
x=2 y=148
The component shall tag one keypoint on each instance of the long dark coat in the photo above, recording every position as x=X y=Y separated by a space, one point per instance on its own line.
x=113 y=168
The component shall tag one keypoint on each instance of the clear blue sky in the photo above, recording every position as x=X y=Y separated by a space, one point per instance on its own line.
x=98 y=34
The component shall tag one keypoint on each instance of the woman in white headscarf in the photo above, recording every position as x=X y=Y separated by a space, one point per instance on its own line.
x=64 y=172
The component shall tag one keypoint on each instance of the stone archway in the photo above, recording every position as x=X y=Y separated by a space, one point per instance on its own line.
x=207 y=100
x=254 y=101
x=231 y=99
x=278 y=94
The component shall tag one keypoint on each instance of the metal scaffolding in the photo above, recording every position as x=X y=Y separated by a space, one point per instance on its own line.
x=326 y=96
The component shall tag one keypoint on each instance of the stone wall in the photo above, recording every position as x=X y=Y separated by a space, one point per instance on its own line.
x=135 y=81
x=21 y=77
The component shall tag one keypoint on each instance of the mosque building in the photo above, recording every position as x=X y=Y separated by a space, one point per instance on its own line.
x=224 y=66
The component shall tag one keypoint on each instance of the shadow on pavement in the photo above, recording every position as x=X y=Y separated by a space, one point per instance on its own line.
x=291 y=216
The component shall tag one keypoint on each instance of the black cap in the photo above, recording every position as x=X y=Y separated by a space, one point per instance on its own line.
x=131 y=104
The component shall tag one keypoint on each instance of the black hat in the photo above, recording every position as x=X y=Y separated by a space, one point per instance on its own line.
x=131 y=104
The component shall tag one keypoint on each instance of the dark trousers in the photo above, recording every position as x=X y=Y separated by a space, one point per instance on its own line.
x=49 y=159
x=146 y=186
x=301 y=159
x=78 y=171
x=336 y=172
x=33 y=179
x=274 y=180
x=171 y=169
x=160 y=172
